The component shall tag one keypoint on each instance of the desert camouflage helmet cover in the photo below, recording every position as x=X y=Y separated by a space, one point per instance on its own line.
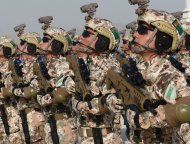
x=125 y=36
x=61 y=35
x=8 y=42
x=105 y=27
x=32 y=37
x=164 y=22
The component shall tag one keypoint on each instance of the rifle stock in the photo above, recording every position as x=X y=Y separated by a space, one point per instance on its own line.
x=80 y=85
x=128 y=93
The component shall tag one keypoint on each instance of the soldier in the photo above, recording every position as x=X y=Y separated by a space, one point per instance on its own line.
x=31 y=115
x=159 y=32
x=126 y=38
x=10 y=131
x=94 y=57
x=57 y=77
x=184 y=63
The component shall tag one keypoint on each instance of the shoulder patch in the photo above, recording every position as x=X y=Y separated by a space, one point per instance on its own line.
x=170 y=93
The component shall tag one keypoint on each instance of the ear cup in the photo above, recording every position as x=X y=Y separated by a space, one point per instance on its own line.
x=7 y=52
x=163 y=42
x=31 y=48
x=57 y=47
x=102 y=44
x=187 y=42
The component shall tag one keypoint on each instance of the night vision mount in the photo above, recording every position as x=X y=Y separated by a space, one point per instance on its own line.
x=46 y=20
x=72 y=32
x=142 y=5
x=90 y=9
x=132 y=26
x=19 y=29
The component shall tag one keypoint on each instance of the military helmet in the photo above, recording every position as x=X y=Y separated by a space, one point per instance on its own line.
x=105 y=27
x=8 y=42
x=32 y=38
x=125 y=36
x=60 y=35
x=165 y=23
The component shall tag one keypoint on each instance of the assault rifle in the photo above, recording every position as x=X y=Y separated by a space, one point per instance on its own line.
x=17 y=83
x=42 y=75
x=128 y=84
x=82 y=88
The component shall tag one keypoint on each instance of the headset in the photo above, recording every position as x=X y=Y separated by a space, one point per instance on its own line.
x=187 y=42
x=102 y=43
x=31 y=48
x=7 y=52
x=163 y=42
x=57 y=47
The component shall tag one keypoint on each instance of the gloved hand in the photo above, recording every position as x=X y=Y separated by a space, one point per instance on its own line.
x=113 y=103
x=132 y=113
x=18 y=92
x=45 y=99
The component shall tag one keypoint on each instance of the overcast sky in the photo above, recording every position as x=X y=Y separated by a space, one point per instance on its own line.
x=66 y=13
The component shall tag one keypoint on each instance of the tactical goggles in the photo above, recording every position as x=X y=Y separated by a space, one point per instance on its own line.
x=86 y=33
x=143 y=29
x=22 y=42
x=45 y=39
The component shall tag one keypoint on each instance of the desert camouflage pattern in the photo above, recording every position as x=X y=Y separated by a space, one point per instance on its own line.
x=159 y=74
x=61 y=76
x=31 y=37
x=105 y=28
x=184 y=130
x=35 y=117
x=61 y=35
x=8 y=42
x=98 y=66
x=183 y=57
x=164 y=22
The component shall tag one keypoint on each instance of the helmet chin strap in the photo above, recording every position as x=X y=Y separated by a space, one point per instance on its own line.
x=142 y=48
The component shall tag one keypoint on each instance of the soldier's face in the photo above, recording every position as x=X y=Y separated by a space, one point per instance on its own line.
x=45 y=44
x=86 y=39
x=142 y=35
x=125 y=45
x=23 y=46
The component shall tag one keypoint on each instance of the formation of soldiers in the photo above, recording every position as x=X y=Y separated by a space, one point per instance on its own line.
x=64 y=88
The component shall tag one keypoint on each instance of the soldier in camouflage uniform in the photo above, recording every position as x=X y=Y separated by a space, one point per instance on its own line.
x=56 y=43
x=159 y=32
x=27 y=103
x=94 y=54
x=183 y=57
x=14 y=134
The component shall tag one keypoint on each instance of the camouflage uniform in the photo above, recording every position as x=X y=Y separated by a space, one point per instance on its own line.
x=27 y=101
x=183 y=56
x=60 y=78
x=98 y=65
x=92 y=117
x=163 y=81
x=60 y=74
x=12 y=113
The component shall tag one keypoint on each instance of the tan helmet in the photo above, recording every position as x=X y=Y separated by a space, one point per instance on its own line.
x=164 y=22
x=105 y=27
x=125 y=36
x=31 y=37
x=8 y=42
x=60 y=35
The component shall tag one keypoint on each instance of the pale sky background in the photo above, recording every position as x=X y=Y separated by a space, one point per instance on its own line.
x=66 y=13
